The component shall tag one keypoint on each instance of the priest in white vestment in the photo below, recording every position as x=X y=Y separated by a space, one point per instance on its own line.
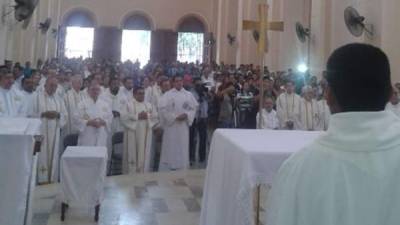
x=269 y=117
x=138 y=118
x=177 y=109
x=309 y=115
x=324 y=114
x=114 y=96
x=48 y=106
x=348 y=176
x=73 y=97
x=11 y=100
x=127 y=88
x=394 y=103
x=288 y=108
x=93 y=118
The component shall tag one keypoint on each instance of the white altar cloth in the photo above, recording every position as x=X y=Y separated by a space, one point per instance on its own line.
x=240 y=160
x=83 y=171
x=16 y=173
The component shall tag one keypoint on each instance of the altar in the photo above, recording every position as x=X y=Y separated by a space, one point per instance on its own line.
x=239 y=161
x=17 y=169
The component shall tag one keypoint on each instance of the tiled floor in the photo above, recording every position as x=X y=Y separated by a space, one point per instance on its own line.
x=150 y=199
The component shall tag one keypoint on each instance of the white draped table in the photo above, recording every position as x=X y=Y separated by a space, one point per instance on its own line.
x=17 y=169
x=83 y=171
x=239 y=161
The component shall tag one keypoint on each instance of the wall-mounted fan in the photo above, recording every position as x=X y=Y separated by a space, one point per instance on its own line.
x=44 y=27
x=24 y=10
x=231 y=39
x=355 y=22
x=302 y=32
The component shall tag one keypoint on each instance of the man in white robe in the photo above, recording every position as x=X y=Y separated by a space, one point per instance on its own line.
x=93 y=118
x=138 y=118
x=48 y=106
x=113 y=95
x=288 y=108
x=11 y=100
x=309 y=115
x=73 y=97
x=269 y=117
x=177 y=109
x=324 y=114
x=393 y=105
x=349 y=175
x=127 y=88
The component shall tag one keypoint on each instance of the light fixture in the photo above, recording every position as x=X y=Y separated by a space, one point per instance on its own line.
x=302 y=68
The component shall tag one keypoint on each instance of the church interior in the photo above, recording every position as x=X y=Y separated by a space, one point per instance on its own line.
x=161 y=31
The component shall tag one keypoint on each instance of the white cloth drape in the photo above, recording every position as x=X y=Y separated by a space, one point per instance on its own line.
x=240 y=160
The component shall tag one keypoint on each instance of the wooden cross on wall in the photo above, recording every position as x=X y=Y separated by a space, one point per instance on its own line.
x=263 y=26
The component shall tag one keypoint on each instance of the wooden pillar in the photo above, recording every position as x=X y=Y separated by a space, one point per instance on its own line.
x=163 y=45
x=107 y=43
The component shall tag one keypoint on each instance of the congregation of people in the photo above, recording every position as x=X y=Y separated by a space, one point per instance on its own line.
x=165 y=111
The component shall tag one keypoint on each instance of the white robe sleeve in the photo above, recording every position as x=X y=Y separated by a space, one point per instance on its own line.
x=128 y=118
x=165 y=110
x=280 y=110
x=193 y=108
x=108 y=117
x=81 y=117
x=63 y=114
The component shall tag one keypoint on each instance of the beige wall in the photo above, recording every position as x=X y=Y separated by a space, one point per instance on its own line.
x=222 y=17
x=164 y=14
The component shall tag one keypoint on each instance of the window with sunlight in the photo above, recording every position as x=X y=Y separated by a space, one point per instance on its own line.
x=79 y=42
x=136 y=46
x=190 y=47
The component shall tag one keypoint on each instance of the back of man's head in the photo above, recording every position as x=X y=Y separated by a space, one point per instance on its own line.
x=358 y=76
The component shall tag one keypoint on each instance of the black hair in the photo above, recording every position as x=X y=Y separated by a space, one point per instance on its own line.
x=359 y=77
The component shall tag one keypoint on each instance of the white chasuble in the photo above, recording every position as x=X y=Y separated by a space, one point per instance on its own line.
x=175 y=141
x=137 y=136
x=49 y=156
x=72 y=99
x=393 y=108
x=347 y=176
x=309 y=115
x=87 y=110
x=288 y=110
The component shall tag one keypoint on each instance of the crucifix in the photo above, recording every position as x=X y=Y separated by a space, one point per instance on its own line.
x=262 y=26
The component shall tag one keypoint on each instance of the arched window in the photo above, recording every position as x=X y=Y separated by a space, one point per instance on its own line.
x=191 y=32
x=79 y=36
x=136 y=39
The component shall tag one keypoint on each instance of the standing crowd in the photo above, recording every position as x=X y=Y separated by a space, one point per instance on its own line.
x=166 y=112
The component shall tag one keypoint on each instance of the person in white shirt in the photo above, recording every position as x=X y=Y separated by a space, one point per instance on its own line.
x=348 y=175
x=393 y=105
x=177 y=109
x=288 y=108
x=309 y=114
x=11 y=100
x=269 y=117
x=93 y=118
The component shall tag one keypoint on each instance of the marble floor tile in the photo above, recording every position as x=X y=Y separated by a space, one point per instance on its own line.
x=141 y=199
x=178 y=218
